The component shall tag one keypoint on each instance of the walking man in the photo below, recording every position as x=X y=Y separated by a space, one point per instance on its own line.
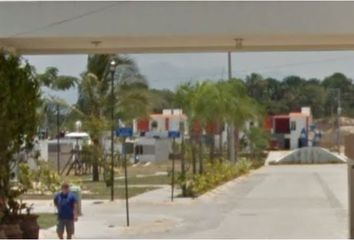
x=66 y=204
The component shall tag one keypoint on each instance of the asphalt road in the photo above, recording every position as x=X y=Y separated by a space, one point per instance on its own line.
x=292 y=201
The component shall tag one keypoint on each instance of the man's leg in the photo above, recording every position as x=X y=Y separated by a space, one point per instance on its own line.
x=70 y=228
x=60 y=228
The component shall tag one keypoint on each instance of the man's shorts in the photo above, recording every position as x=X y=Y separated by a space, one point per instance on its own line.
x=67 y=224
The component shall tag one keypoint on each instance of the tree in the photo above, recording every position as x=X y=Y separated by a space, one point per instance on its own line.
x=294 y=92
x=208 y=102
x=49 y=107
x=207 y=111
x=162 y=99
x=317 y=103
x=239 y=108
x=293 y=82
x=51 y=79
x=345 y=86
x=258 y=141
x=131 y=97
x=184 y=99
x=337 y=80
x=256 y=86
x=19 y=101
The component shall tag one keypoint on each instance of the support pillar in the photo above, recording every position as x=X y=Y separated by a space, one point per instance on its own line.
x=349 y=152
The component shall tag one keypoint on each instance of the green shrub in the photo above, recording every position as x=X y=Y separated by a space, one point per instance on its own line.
x=214 y=175
x=243 y=166
x=42 y=179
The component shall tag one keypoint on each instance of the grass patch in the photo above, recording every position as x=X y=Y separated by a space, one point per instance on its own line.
x=136 y=180
x=157 y=180
x=152 y=169
x=98 y=190
x=47 y=220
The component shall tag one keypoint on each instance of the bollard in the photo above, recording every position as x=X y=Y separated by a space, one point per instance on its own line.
x=77 y=191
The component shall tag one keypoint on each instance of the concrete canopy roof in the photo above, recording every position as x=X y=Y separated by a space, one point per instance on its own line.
x=141 y=27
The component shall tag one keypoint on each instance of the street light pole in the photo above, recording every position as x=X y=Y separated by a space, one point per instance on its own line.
x=231 y=127
x=58 y=141
x=112 y=70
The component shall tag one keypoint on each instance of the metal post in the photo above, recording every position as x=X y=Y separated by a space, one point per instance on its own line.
x=231 y=128
x=351 y=198
x=173 y=169
x=58 y=141
x=126 y=182
x=183 y=160
x=112 y=132
x=229 y=69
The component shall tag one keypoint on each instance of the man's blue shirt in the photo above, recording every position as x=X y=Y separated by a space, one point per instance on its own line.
x=65 y=205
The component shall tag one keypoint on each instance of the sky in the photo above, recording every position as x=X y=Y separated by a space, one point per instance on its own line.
x=167 y=71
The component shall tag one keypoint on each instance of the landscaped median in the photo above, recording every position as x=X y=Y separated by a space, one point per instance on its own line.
x=214 y=175
x=99 y=190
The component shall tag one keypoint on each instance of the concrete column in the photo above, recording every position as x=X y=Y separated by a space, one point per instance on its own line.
x=349 y=152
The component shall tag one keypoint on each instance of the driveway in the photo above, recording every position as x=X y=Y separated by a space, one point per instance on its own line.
x=288 y=201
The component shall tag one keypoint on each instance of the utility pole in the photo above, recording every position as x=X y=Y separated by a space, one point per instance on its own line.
x=339 y=110
x=229 y=67
x=112 y=70
x=231 y=128
x=58 y=140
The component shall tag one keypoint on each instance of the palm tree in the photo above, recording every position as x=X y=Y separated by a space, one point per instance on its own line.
x=52 y=80
x=131 y=97
x=184 y=99
x=201 y=102
x=207 y=103
x=208 y=112
x=238 y=108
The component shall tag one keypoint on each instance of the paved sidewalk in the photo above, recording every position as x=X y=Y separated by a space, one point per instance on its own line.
x=292 y=201
x=106 y=219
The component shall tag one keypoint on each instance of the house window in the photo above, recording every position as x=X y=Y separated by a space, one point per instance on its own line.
x=154 y=125
x=292 y=125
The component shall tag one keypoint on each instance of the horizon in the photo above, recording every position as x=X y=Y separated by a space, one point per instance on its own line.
x=167 y=71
